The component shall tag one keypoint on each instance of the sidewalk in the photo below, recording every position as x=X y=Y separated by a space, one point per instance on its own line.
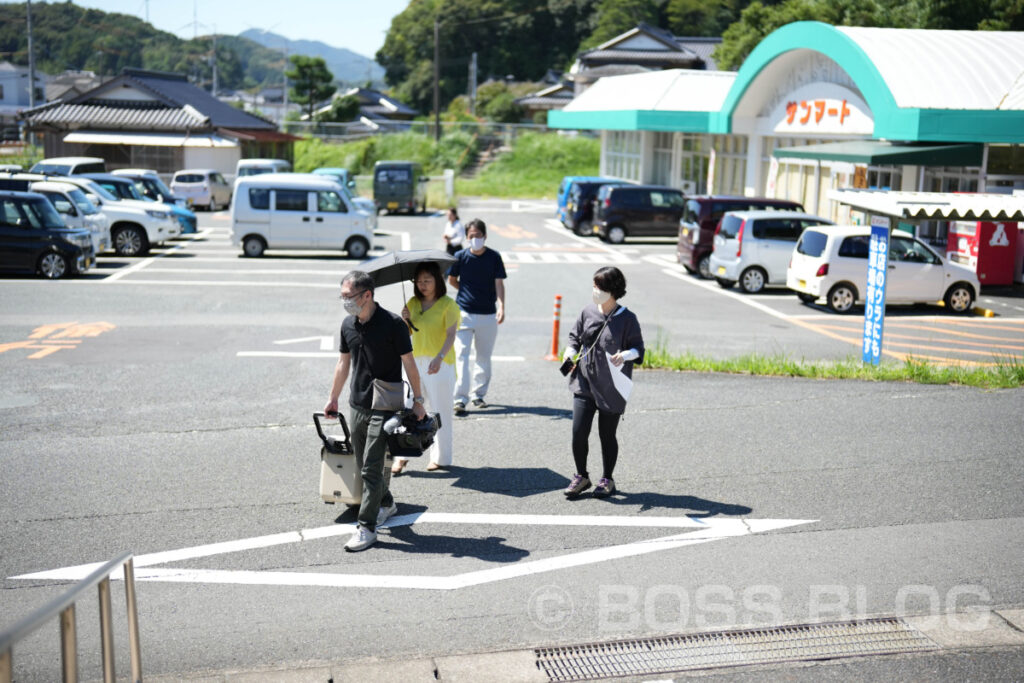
x=962 y=646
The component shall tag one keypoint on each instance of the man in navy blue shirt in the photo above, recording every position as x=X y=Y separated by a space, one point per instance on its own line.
x=479 y=276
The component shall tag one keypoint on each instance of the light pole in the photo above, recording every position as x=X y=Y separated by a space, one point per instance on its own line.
x=437 y=77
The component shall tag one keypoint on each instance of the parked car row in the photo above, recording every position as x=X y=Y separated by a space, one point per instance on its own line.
x=759 y=242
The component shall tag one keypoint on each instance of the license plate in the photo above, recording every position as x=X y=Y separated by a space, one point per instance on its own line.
x=721 y=270
x=686 y=232
x=594 y=229
x=802 y=283
x=392 y=205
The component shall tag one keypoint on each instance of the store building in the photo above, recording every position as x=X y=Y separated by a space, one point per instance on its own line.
x=816 y=108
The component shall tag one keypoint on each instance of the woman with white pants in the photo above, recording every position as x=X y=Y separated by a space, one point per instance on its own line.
x=433 y=318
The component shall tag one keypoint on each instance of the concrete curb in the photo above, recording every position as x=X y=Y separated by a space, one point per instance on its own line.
x=952 y=631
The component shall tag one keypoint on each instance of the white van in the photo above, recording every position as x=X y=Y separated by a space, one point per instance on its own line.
x=297 y=211
x=250 y=167
x=69 y=166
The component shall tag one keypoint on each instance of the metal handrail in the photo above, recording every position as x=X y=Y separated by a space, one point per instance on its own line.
x=64 y=606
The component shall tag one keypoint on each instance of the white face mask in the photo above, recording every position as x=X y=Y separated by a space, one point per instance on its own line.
x=476 y=244
x=600 y=296
x=352 y=306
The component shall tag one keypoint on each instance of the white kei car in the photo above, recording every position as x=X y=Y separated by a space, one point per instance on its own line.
x=831 y=261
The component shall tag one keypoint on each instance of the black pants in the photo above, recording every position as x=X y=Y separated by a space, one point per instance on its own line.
x=452 y=249
x=583 y=409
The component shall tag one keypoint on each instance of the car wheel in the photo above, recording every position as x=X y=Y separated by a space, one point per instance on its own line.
x=213 y=205
x=841 y=298
x=725 y=284
x=584 y=228
x=53 y=266
x=752 y=280
x=357 y=248
x=254 y=246
x=807 y=298
x=959 y=299
x=704 y=267
x=616 y=234
x=130 y=241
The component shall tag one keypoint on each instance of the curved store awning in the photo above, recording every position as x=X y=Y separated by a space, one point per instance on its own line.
x=934 y=205
x=149 y=139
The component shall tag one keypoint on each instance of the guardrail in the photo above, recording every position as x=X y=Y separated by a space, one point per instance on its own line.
x=64 y=606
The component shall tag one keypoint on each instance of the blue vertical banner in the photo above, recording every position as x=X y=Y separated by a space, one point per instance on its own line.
x=874 y=297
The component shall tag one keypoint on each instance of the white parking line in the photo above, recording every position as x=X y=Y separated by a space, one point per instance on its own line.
x=685 y=277
x=141 y=264
x=334 y=354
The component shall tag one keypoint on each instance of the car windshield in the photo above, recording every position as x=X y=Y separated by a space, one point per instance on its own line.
x=691 y=212
x=252 y=170
x=52 y=169
x=730 y=226
x=96 y=188
x=125 y=190
x=189 y=178
x=82 y=202
x=157 y=185
x=40 y=213
x=812 y=243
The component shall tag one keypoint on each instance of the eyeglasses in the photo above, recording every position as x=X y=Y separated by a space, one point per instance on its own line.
x=353 y=297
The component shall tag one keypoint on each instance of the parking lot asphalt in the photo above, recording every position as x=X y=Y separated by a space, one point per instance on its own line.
x=162 y=405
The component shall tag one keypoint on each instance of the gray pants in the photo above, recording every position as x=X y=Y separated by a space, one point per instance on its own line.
x=478 y=330
x=369 y=442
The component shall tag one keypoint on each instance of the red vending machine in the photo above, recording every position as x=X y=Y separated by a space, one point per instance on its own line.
x=989 y=248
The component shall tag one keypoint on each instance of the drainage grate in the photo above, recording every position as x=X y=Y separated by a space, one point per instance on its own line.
x=730 y=648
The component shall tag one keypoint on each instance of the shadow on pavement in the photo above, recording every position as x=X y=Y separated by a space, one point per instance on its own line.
x=502 y=409
x=407 y=539
x=518 y=482
x=699 y=507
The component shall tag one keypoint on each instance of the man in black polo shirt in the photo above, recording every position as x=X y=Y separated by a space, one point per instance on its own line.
x=376 y=344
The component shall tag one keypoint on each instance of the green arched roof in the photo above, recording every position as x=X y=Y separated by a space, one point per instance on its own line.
x=891 y=121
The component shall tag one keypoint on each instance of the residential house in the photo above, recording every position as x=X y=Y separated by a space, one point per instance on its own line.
x=150 y=119
x=376 y=111
x=14 y=96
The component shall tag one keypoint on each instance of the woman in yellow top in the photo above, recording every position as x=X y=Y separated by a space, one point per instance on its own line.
x=436 y=317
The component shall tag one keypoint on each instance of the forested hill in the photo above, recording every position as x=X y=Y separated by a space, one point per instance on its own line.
x=67 y=36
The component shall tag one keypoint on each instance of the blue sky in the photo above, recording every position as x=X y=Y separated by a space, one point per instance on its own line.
x=356 y=25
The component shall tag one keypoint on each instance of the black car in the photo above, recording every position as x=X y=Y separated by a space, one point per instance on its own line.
x=34 y=238
x=637 y=211
x=579 y=207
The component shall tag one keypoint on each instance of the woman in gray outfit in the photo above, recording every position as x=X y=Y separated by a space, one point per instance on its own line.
x=605 y=331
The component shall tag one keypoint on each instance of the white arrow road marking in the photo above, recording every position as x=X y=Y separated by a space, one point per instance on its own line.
x=326 y=343
x=703 y=531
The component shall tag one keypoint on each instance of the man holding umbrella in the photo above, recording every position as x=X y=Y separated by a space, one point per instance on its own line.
x=375 y=344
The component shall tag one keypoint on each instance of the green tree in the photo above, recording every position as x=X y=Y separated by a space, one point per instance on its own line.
x=343 y=109
x=312 y=82
x=618 y=16
x=697 y=17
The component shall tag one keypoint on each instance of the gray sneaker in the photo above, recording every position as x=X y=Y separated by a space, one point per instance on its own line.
x=362 y=539
x=578 y=485
x=384 y=514
x=605 y=487
x=460 y=408
x=480 y=403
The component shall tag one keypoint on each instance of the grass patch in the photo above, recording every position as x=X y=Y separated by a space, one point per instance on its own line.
x=1008 y=371
x=534 y=167
x=454 y=150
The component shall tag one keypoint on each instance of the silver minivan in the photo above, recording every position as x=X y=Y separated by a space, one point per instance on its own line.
x=298 y=211
x=754 y=247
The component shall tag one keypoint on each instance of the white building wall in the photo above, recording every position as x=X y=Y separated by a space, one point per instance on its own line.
x=223 y=159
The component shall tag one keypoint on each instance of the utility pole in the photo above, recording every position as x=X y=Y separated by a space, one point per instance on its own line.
x=472 y=85
x=214 y=61
x=31 y=58
x=437 y=77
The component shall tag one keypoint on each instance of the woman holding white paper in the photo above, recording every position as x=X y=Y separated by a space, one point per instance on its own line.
x=605 y=342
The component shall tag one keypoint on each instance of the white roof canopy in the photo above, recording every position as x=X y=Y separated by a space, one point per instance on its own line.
x=150 y=139
x=669 y=90
x=934 y=205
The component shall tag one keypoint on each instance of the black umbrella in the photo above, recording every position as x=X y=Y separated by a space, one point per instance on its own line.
x=400 y=266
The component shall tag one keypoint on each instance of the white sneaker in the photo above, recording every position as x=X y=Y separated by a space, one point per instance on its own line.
x=362 y=539
x=386 y=513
